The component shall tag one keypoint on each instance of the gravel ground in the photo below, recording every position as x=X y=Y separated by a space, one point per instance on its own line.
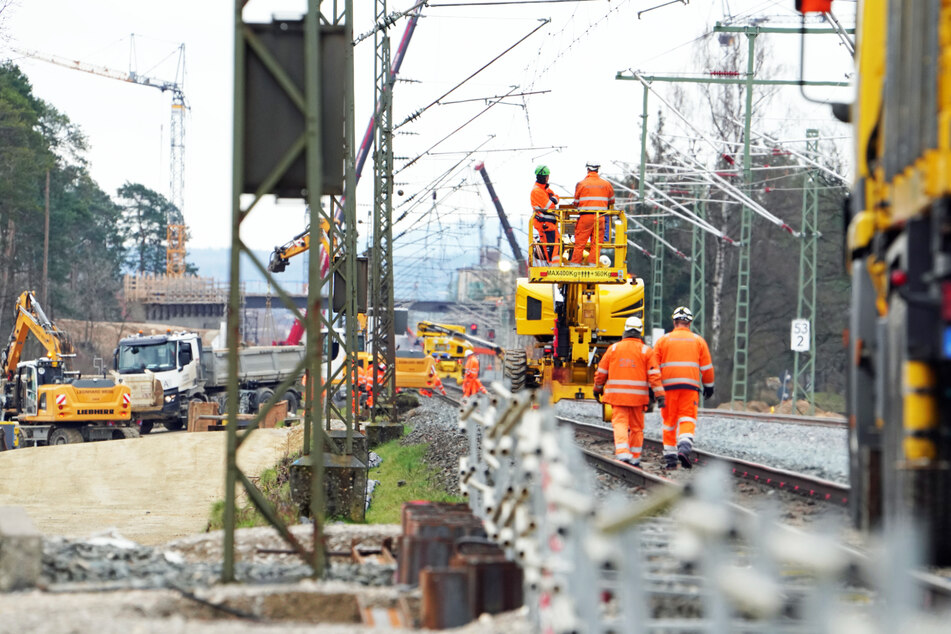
x=818 y=451
x=435 y=422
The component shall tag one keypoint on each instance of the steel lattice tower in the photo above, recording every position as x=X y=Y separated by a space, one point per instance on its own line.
x=383 y=335
x=804 y=364
x=657 y=278
x=698 y=270
x=741 y=336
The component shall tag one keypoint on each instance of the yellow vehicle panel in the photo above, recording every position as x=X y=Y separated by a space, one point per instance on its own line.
x=69 y=403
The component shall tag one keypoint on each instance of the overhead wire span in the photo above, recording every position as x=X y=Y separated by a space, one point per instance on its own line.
x=710 y=175
x=437 y=143
x=685 y=214
x=416 y=114
x=502 y=2
x=674 y=249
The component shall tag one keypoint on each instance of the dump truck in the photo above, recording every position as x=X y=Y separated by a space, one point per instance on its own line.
x=45 y=403
x=166 y=372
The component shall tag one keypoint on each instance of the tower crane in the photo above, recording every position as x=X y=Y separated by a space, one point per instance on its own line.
x=176 y=232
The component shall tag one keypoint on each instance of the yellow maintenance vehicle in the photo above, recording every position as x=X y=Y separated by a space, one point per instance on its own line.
x=573 y=311
x=899 y=257
x=447 y=344
x=43 y=402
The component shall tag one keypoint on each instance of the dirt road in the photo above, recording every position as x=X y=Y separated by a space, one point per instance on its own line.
x=152 y=489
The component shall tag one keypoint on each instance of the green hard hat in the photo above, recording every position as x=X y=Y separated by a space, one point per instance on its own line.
x=542 y=170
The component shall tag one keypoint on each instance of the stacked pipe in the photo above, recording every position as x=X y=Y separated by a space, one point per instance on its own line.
x=461 y=574
x=684 y=559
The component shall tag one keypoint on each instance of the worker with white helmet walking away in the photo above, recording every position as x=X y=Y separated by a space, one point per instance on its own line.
x=593 y=196
x=471 y=384
x=544 y=218
x=686 y=369
x=627 y=372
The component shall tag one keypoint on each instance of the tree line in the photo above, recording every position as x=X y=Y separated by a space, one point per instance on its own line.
x=94 y=238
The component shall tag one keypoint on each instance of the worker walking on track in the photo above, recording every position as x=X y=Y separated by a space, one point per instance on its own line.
x=626 y=373
x=470 y=379
x=685 y=369
x=592 y=195
x=544 y=204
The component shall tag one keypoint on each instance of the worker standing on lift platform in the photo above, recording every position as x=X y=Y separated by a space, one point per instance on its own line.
x=685 y=368
x=544 y=204
x=625 y=375
x=592 y=195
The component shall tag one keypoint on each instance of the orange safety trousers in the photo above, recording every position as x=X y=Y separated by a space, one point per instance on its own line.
x=472 y=386
x=584 y=229
x=549 y=241
x=628 y=424
x=680 y=418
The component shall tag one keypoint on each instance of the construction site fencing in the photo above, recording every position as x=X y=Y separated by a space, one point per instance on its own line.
x=681 y=559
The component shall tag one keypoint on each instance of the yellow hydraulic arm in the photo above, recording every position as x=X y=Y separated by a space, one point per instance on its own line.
x=31 y=318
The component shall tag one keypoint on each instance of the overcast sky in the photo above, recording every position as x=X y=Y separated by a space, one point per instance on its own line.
x=587 y=112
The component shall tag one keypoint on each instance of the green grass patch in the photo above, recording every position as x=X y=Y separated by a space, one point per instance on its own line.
x=275 y=485
x=830 y=402
x=406 y=463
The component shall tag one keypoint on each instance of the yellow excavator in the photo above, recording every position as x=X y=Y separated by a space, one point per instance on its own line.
x=573 y=311
x=45 y=403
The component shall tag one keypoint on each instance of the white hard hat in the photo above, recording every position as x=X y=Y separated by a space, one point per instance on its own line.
x=682 y=313
x=634 y=323
x=468 y=352
x=604 y=260
x=593 y=165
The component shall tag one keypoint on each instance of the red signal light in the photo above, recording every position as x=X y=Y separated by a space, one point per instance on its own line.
x=813 y=6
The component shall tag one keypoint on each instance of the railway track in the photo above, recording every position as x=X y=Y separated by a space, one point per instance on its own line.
x=780 y=479
x=786 y=419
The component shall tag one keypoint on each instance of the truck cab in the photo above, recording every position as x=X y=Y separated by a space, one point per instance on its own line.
x=163 y=371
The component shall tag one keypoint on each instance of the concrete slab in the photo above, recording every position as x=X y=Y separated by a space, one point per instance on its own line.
x=380 y=433
x=345 y=486
x=21 y=550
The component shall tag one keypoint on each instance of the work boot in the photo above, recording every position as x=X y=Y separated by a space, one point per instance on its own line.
x=670 y=462
x=630 y=461
x=683 y=454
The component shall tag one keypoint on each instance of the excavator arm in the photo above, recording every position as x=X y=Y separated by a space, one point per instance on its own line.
x=425 y=328
x=32 y=318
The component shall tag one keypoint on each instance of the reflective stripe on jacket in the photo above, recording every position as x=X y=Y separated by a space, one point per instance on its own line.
x=627 y=371
x=593 y=193
x=684 y=360
x=542 y=202
x=472 y=367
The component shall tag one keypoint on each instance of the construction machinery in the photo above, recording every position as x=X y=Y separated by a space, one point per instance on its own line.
x=503 y=218
x=447 y=345
x=573 y=311
x=45 y=403
x=187 y=371
x=899 y=256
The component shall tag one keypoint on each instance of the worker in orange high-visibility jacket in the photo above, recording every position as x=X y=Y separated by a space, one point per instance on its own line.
x=470 y=378
x=624 y=378
x=686 y=369
x=544 y=218
x=592 y=195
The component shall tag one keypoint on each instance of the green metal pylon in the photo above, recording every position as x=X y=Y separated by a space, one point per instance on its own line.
x=657 y=278
x=381 y=286
x=804 y=364
x=741 y=332
x=698 y=270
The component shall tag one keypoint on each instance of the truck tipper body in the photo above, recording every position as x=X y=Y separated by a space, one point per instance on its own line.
x=166 y=372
